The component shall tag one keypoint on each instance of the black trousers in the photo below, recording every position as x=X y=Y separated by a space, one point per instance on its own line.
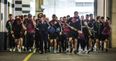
x=43 y=41
x=82 y=43
x=87 y=41
x=29 y=40
x=63 y=42
x=11 y=41
x=37 y=40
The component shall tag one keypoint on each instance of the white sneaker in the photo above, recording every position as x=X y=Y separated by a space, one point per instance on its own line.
x=19 y=50
x=54 y=51
x=86 y=52
x=30 y=50
x=68 y=50
x=10 y=50
x=23 y=47
x=14 y=49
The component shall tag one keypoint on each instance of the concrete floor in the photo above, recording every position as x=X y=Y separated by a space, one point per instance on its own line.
x=93 y=56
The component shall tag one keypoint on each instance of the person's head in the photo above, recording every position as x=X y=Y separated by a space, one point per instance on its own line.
x=22 y=17
x=25 y=16
x=40 y=15
x=29 y=16
x=82 y=17
x=44 y=16
x=76 y=14
x=102 y=19
x=108 y=19
x=17 y=19
x=87 y=16
x=61 y=18
x=53 y=17
x=91 y=16
x=68 y=16
x=64 y=18
x=10 y=16
x=98 y=18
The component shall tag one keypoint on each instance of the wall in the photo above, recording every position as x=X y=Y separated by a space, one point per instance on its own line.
x=100 y=7
x=113 y=23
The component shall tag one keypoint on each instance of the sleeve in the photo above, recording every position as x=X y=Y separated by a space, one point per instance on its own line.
x=7 y=26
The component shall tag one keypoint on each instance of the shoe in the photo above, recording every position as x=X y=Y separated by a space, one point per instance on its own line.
x=83 y=52
x=14 y=49
x=30 y=50
x=41 y=52
x=10 y=50
x=55 y=51
x=87 y=52
x=23 y=48
x=19 y=50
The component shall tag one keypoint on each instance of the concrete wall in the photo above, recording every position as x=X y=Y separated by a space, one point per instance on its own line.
x=113 y=23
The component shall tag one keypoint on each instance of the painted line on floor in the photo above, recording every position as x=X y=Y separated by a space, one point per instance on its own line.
x=28 y=56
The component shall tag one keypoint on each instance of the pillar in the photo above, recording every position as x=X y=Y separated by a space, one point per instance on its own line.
x=113 y=23
x=38 y=5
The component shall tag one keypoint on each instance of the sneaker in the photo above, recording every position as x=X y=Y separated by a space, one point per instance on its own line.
x=14 y=49
x=30 y=50
x=19 y=50
x=10 y=50
x=87 y=52
x=83 y=52
x=68 y=49
x=55 y=51
x=23 y=47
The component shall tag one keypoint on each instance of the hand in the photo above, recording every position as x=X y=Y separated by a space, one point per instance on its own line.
x=12 y=32
x=25 y=33
x=13 y=35
x=80 y=32
x=60 y=33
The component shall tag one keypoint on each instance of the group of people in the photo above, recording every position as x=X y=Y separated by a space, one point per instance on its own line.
x=67 y=34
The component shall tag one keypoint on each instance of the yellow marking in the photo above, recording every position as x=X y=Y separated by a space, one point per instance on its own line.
x=28 y=57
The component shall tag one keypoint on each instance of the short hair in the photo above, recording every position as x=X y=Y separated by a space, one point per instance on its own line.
x=75 y=12
x=68 y=15
x=87 y=15
x=64 y=17
x=25 y=16
x=29 y=15
x=39 y=15
x=53 y=16
x=97 y=17
x=102 y=17
x=10 y=14
x=91 y=14
x=108 y=18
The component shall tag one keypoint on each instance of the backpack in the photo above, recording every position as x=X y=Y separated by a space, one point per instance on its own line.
x=51 y=29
